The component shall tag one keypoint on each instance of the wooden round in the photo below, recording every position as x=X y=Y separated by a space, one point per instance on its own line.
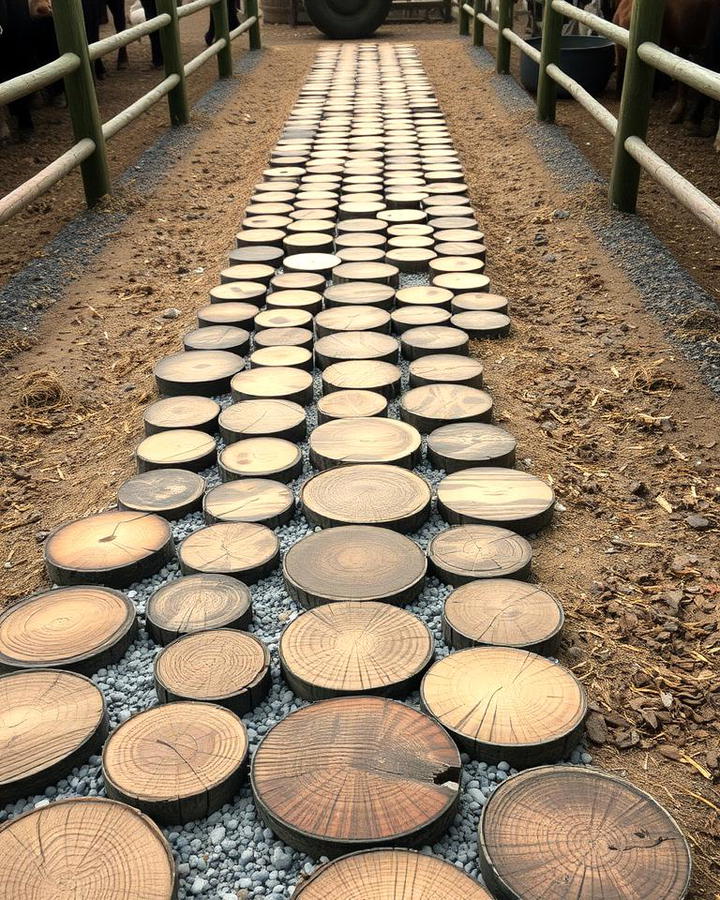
x=283 y=318
x=273 y=383
x=349 y=404
x=284 y=337
x=197 y=603
x=243 y=550
x=356 y=772
x=352 y=318
x=240 y=315
x=50 y=722
x=446 y=368
x=462 y=282
x=505 y=613
x=390 y=874
x=198 y=413
x=372 y=375
x=428 y=339
x=470 y=248
x=170 y=493
x=410 y=259
x=365 y=440
x=465 y=445
x=260 y=237
x=85 y=847
x=261 y=457
x=359 y=293
x=78 y=628
x=367 y=495
x=360 y=241
x=434 y=405
x=567 y=831
x=182 y=448
x=113 y=548
x=414 y=316
x=496 y=496
x=218 y=337
x=501 y=703
x=482 y=324
x=206 y=373
x=355 y=345
x=177 y=762
x=374 y=272
x=470 y=552
x=308 y=301
x=355 y=648
x=258 y=272
x=250 y=292
x=250 y=500
x=354 y=562
x=455 y=264
x=263 y=418
x=308 y=242
x=224 y=666
x=302 y=281
x=320 y=263
x=287 y=357
x=265 y=254
x=479 y=300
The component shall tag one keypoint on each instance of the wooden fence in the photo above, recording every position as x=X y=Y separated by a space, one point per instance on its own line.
x=644 y=55
x=75 y=65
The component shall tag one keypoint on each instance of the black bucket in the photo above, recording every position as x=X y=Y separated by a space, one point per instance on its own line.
x=589 y=59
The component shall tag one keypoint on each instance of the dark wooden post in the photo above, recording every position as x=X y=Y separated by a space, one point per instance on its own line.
x=505 y=20
x=251 y=8
x=463 y=19
x=478 y=27
x=172 y=56
x=222 y=30
x=549 y=53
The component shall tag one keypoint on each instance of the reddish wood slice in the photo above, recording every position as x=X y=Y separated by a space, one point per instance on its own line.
x=250 y=500
x=199 y=413
x=263 y=418
x=469 y=552
x=446 y=368
x=277 y=357
x=251 y=292
x=239 y=315
x=475 y=300
x=428 y=339
x=241 y=549
x=280 y=383
x=359 y=293
x=365 y=440
x=170 y=493
x=349 y=404
x=434 y=405
x=206 y=373
x=352 y=318
x=218 y=337
x=355 y=345
x=261 y=457
x=181 y=448
x=466 y=445
x=283 y=317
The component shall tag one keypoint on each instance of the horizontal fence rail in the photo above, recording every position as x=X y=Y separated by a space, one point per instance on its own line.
x=89 y=151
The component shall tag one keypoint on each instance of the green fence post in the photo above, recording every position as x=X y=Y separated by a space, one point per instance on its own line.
x=505 y=20
x=251 y=8
x=222 y=30
x=645 y=25
x=172 y=57
x=549 y=53
x=463 y=19
x=478 y=27
x=81 y=97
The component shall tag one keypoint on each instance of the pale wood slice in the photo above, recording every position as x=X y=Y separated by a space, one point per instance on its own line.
x=448 y=368
x=283 y=317
x=198 y=413
x=360 y=240
x=450 y=249
x=316 y=205
x=280 y=383
x=469 y=552
x=434 y=405
x=218 y=337
x=371 y=375
x=501 y=703
x=86 y=847
x=409 y=259
x=238 y=315
x=197 y=603
x=113 y=548
x=284 y=337
x=437 y=215
x=177 y=762
x=273 y=197
x=263 y=418
x=455 y=264
x=261 y=457
x=414 y=316
x=360 y=209
x=360 y=293
x=223 y=666
x=50 y=722
x=356 y=345
x=276 y=185
x=424 y=295
x=309 y=225
x=458 y=235
x=252 y=292
x=310 y=301
x=390 y=874
x=505 y=613
x=284 y=172
x=320 y=263
x=479 y=300
x=467 y=445
x=462 y=282
x=482 y=323
x=398 y=198
x=440 y=191
x=181 y=448
x=403 y=216
x=567 y=831
x=365 y=440
x=496 y=496
x=301 y=281
x=206 y=373
x=361 y=254
x=288 y=357
x=170 y=493
x=343 y=774
x=248 y=271
x=409 y=229
x=367 y=495
x=349 y=404
x=266 y=220
x=78 y=628
x=411 y=241
x=250 y=500
x=352 y=318
x=264 y=254
x=374 y=272
x=241 y=549
x=428 y=339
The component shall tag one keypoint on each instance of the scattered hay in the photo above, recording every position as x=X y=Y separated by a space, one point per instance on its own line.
x=648 y=380
x=42 y=390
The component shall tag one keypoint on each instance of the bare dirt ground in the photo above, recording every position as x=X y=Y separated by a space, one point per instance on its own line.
x=599 y=401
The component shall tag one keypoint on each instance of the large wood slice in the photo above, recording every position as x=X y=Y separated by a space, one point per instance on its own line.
x=223 y=666
x=355 y=648
x=349 y=404
x=50 y=722
x=218 y=337
x=359 y=293
x=197 y=603
x=261 y=457
x=78 y=628
x=170 y=493
x=282 y=357
x=479 y=323
x=356 y=772
x=355 y=562
x=239 y=315
x=283 y=318
x=251 y=292
x=308 y=301
x=241 y=549
x=250 y=500
x=467 y=552
x=447 y=368
x=182 y=448
x=374 y=272
x=176 y=762
x=367 y=495
x=390 y=874
x=501 y=703
x=85 y=847
x=462 y=282
x=206 y=373
x=365 y=375
x=198 y=413
x=284 y=337
x=434 y=405
x=273 y=383
x=428 y=339
x=354 y=345
x=113 y=548
x=352 y=318
x=365 y=440
x=466 y=445
x=263 y=418
x=568 y=831
x=505 y=613
x=496 y=496
x=414 y=316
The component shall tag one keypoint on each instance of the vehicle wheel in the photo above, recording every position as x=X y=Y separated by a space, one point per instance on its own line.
x=347 y=18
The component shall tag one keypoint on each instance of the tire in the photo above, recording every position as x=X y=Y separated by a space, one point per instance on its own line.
x=345 y=19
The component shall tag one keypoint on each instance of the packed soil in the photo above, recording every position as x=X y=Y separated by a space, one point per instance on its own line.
x=602 y=407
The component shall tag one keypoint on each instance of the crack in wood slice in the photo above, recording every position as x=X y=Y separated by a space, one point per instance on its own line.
x=78 y=628
x=467 y=552
x=367 y=495
x=181 y=448
x=223 y=666
x=433 y=405
x=359 y=293
x=250 y=500
x=252 y=292
x=197 y=603
x=365 y=440
x=356 y=772
x=566 y=831
x=480 y=323
x=274 y=383
x=206 y=373
x=349 y=404
x=86 y=847
x=446 y=368
x=218 y=337
x=170 y=493
x=239 y=315
x=261 y=457
x=50 y=722
x=176 y=762
x=415 y=316
x=283 y=317
x=352 y=318
x=501 y=703
x=287 y=357
x=197 y=413
x=428 y=339
x=466 y=445
x=113 y=548
x=242 y=549
x=496 y=496
x=367 y=375
x=355 y=345
x=263 y=418
x=478 y=300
